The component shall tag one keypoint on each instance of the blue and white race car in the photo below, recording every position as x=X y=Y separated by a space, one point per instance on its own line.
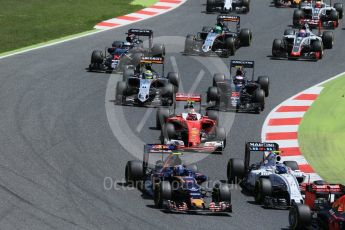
x=174 y=186
x=272 y=183
x=218 y=40
x=227 y=6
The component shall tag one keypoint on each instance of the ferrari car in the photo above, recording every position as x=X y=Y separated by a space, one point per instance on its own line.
x=302 y=44
x=287 y=3
x=123 y=53
x=317 y=13
x=176 y=185
x=218 y=40
x=273 y=184
x=143 y=86
x=190 y=130
x=238 y=94
x=227 y=6
x=324 y=207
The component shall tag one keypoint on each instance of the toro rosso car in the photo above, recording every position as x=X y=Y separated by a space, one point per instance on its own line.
x=287 y=3
x=238 y=94
x=174 y=184
x=324 y=207
x=124 y=53
x=227 y=6
x=273 y=184
x=317 y=13
x=218 y=40
x=302 y=44
x=191 y=131
x=143 y=86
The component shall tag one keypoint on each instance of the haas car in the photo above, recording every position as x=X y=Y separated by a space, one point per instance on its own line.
x=273 y=184
x=302 y=44
x=218 y=40
x=143 y=86
x=287 y=3
x=189 y=130
x=238 y=93
x=124 y=53
x=175 y=184
x=227 y=6
x=317 y=13
x=324 y=207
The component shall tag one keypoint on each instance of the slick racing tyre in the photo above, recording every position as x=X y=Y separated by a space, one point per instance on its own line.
x=162 y=192
x=221 y=193
x=297 y=16
x=213 y=115
x=339 y=8
x=259 y=97
x=97 y=57
x=134 y=171
x=264 y=84
x=168 y=94
x=120 y=93
x=230 y=46
x=263 y=188
x=300 y=216
x=189 y=43
x=213 y=94
x=174 y=79
x=161 y=116
x=245 y=37
x=327 y=39
x=218 y=77
x=210 y=5
x=235 y=170
x=246 y=3
x=317 y=47
x=277 y=47
x=158 y=50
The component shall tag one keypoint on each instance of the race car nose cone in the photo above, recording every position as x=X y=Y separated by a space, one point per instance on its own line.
x=295 y=54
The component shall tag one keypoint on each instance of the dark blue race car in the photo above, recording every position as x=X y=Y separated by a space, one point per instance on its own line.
x=174 y=186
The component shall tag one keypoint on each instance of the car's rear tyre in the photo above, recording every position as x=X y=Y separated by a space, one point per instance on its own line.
x=169 y=130
x=120 y=92
x=209 y=6
x=245 y=37
x=297 y=16
x=220 y=135
x=161 y=116
x=134 y=171
x=264 y=84
x=317 y=47
x=97 y=57
x=327 y=39
x=246 y=3
x=334 y=16
x=259 y=97
x=300 y=216
x=221 y=193
x=213 y=94
x=168 y=91
x=162 y=192
x=235 y=170
x=263 y=188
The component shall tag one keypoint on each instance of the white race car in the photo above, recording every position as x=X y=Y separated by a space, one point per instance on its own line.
x=227 y=6
x=273 y=184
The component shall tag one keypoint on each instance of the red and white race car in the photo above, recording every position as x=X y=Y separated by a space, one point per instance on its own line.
x=190 y=130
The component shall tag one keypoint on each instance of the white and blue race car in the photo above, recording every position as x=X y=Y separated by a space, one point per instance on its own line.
x=227 y=6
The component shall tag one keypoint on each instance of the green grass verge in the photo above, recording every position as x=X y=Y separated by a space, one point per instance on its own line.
x=25 y=23
x=321 y=134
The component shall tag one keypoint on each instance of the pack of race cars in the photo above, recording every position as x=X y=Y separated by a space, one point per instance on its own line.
x=165 y=173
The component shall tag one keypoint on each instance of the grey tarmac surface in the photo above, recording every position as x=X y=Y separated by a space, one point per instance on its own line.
x=57 y=146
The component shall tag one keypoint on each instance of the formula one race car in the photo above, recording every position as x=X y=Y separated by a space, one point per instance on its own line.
x=218 y=40
x=302 y=44
x=227 y=6
x=191 y=131
x=287 y=3
x=317 y=13
x=324 y=208
x=174 y=186
x=239 y=93
x=272 y=183
x=124 y=53
x=143 y=86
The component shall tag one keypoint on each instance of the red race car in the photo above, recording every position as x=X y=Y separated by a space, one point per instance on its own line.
x=191 y=131
x=324 y=207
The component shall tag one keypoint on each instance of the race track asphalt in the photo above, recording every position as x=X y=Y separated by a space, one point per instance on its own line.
x=57 y=145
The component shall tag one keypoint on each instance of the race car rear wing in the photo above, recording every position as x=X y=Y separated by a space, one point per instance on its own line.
x=229 y=18
x=258 y=147
x=152 y=60
x=188 y=97
x=143 y=33
x=156 y=149
x=243 y=64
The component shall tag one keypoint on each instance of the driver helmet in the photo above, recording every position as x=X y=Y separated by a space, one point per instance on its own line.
x=302 y=33
x=127 y=45
x=190 y=107
x=218 y=30
x=281 y=169
x=318 y=4
x=179 y=170
x=148 y=74
x=130 y=38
